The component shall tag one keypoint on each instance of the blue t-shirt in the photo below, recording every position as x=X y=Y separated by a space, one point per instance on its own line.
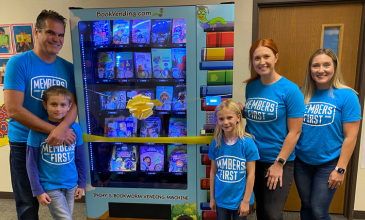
x=27 y=73
x=56 y=164
x=322 y=134
x=230 y=180
x=267 y=109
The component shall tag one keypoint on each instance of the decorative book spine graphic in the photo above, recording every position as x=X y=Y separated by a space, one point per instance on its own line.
x=212 y=54
x=217 y=58
x=220 y=39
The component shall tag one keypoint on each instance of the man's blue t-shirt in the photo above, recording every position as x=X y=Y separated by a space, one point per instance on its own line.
x=27 y=73
x=322 y=134
x=267 y=109
x=56 y=164
x=230 y=180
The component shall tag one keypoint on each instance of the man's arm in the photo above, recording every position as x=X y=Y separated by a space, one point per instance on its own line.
x=14 y=105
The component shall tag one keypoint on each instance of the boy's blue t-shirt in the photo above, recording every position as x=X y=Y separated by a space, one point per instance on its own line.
x=27 y=73
x=56 y=165
x=267 y=109
x=322 y=134
x=230 y=180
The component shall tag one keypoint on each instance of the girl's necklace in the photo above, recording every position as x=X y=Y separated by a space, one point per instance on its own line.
x=230 y=141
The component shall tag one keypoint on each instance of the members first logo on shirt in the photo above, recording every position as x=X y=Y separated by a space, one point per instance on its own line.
x=319 y=114
x=57 y=155
x=40 y=83
x=261 y=110
x=230 y=169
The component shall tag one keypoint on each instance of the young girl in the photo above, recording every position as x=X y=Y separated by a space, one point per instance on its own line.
x=233 y=154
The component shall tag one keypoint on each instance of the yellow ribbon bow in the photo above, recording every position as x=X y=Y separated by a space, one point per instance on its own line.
x=140 y=106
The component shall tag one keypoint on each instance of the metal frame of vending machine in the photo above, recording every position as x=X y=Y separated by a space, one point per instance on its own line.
x=107 y=76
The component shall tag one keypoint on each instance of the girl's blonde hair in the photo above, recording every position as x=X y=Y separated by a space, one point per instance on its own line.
x=239 y=127
x=309 y=85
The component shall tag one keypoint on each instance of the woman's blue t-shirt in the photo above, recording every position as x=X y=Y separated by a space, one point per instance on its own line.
x=322 y=134
x=267 y=109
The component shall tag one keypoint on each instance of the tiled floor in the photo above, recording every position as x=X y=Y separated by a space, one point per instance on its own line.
x=7 y=212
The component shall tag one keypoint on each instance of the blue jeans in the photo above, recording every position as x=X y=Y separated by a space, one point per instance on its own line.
x=227 y=214
x=62 y=203
x=26 y=205
x=312 y=184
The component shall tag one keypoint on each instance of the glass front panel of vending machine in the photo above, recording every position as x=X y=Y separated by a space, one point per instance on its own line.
x=122 y=59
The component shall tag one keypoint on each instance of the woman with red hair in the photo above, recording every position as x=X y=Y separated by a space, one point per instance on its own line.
x=274 y=112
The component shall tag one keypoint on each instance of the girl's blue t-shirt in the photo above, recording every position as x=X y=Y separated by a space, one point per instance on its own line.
x=230 y=180
x=322 y=134
x=266 y=110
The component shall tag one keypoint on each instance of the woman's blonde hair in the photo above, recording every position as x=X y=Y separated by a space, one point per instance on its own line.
x=309 y=85
x=239 y=127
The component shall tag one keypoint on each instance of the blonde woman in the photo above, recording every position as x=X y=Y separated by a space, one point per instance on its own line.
x=330 y=126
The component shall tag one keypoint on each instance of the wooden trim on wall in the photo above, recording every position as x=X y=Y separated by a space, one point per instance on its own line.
x=359 y=214
x=360 y=80
x=6 y=195
x=10 y=195
x=354 y=162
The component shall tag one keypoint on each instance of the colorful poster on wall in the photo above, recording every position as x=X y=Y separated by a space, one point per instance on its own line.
x=23 y=37
x=6 y=44
x=4 y=118
x=3 y=62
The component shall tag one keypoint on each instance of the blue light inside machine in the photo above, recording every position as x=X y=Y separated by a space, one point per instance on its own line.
x=87 y=100
x=212 y=100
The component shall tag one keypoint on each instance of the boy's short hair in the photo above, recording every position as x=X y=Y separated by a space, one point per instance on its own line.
x=55 y=91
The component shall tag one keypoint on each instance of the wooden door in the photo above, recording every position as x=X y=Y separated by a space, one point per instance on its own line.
x=297 y=33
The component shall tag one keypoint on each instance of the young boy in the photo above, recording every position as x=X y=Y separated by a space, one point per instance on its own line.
x=57 y=174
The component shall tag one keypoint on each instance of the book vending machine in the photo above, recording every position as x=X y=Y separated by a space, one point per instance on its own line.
x=143 y=161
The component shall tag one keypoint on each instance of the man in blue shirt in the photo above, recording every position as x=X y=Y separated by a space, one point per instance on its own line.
x=28 y=76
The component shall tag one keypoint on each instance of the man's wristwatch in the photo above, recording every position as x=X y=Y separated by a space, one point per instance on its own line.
x=281 y=160
x=340 y=170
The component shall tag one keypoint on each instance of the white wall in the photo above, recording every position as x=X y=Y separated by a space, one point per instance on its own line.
x=360 y=183
x=20 y=11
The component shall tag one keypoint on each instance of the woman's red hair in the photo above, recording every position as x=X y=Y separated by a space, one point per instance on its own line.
x=269 y=43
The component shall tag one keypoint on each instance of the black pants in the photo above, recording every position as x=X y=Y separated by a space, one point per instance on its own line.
x=26 y=205
x=270 y=203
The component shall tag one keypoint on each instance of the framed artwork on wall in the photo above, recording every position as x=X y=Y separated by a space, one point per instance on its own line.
x=23 y=37
x=332 y=37
x=3 y=61
x=6 y=42
x=35 y=40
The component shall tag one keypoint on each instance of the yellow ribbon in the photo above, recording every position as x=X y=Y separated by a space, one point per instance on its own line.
x=140 y=106
x=158 y=140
